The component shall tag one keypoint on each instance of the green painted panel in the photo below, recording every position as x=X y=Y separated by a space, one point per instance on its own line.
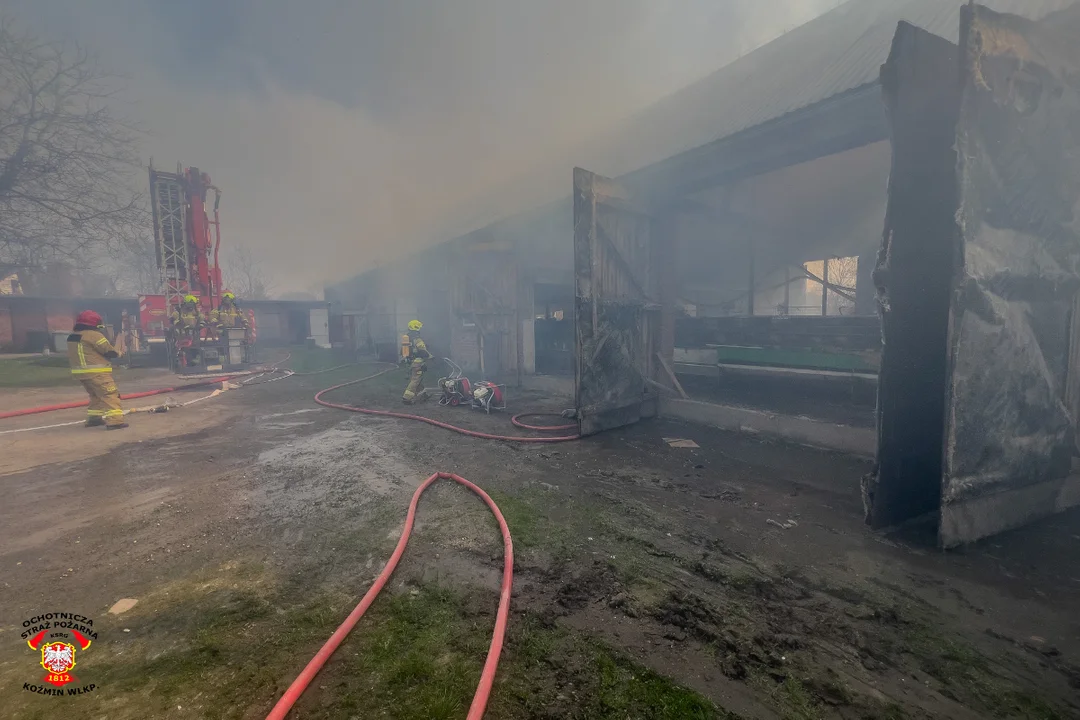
x=795 y=358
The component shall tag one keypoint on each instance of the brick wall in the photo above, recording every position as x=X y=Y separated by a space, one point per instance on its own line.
x=26 y=319
x=60 y=315
x=7 y=331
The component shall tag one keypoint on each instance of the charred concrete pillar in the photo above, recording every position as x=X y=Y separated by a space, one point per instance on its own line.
x=914 y=275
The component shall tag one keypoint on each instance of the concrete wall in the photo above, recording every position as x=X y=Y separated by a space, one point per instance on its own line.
x=803 y=431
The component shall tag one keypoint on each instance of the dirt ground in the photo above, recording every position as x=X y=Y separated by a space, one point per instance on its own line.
x=731 y=580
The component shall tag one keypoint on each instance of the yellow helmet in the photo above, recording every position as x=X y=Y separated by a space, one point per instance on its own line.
x=191 y=299
x=415 y=325
x=227 y=296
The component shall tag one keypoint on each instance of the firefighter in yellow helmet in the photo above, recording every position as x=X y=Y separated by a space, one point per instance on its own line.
x=90 y=354
x=187 y=319
x=187 y=324
x=229 y=314
x=415 y=353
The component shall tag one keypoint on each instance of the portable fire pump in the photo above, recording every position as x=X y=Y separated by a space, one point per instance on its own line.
x=455 y=387
x=187 y=260
x=456 y=390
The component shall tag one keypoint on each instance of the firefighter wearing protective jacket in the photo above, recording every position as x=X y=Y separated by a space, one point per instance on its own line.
x=90 y=354
x=187 y=320
x=187 y=325
x=415 y=353
x=229 y=315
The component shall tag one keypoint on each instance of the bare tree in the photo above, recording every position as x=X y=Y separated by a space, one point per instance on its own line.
x=133 y=262
x=245 y=274
x=65 y=158
x=843 y=272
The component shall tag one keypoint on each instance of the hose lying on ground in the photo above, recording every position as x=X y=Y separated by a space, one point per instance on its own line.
x=483 y=690
x=128 y=396
x=487 y=676
x=447 y=426
x=516 y=422
x=146 y=393
x=130 y=411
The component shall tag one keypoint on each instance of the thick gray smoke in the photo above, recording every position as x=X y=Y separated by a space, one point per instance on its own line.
x=346 y=133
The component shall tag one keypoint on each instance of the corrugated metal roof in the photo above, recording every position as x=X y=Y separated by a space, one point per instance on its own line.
x=836 y=52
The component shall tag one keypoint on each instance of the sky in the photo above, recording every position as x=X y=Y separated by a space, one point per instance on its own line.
x=346 y=133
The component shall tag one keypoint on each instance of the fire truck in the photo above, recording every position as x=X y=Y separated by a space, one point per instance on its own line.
x=187 y=243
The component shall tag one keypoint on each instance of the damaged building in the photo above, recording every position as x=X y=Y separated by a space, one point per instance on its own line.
x=734 y=230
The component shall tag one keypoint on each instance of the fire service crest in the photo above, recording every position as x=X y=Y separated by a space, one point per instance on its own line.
x=58 y=638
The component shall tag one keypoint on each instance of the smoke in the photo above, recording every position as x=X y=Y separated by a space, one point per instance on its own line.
x=344 y=134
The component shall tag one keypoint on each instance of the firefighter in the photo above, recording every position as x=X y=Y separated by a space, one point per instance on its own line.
x=90 y=354
x=229 y=315
x=187 y=324
x=187 y=320
x=415 y=353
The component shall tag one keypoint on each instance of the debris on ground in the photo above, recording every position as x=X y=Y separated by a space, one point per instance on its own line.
x=122 y=606
x=681 y=443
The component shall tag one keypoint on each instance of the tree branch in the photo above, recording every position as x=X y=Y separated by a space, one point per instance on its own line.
x=65 y=159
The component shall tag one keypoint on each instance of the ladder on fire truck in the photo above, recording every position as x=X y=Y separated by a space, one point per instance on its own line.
x=170 y=217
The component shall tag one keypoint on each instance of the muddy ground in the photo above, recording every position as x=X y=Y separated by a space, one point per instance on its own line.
x=731 y=580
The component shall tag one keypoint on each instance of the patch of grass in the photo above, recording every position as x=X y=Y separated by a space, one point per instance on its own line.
x=968 y=675
x=553 y=672
x=305 y=359
x=796 y=702
x=532 y=526
x=417 y=655
x=421 y=655
x=791 y=697
x=1023 y=704
x=889 y=711
x=528 y=528
x=42 y=371
x=238 y=648
x=629 y=690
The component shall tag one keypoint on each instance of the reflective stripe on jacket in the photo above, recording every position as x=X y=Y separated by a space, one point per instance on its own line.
x=88 y=352
x=186 y=318
x=229 y=317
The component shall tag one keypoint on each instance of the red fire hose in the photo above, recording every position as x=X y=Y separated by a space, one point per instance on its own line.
x=487 y=676
x=129 y=396
x=448 y=426
x=516 y=422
